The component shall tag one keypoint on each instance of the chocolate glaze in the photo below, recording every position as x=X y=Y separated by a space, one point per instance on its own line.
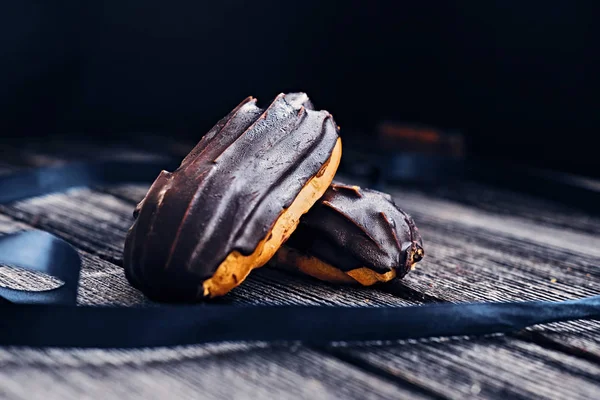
x=226 y=195
x=351 y=228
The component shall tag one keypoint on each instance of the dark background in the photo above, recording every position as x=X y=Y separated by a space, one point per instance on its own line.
x=516 y=77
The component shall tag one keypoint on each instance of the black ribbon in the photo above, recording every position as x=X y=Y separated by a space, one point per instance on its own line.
x=52 y=319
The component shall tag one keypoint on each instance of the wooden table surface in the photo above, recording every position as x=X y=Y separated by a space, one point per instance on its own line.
x=481 y=243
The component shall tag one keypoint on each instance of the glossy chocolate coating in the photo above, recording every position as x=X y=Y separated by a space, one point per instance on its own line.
x=352 y=228
x=226 y=195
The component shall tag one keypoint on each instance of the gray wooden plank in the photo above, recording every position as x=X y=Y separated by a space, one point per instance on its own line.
x=504 y=260
x=20 y=357
x=434 y=210
x=254 y=373
x=95 y=222
x=497 y=367
x=462 y=267
x=513 y=204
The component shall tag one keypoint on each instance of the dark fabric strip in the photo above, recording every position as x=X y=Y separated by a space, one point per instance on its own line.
x=104 y=327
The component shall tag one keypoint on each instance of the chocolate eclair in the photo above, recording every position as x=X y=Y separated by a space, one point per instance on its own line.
x=235 y=198
x=353 y=235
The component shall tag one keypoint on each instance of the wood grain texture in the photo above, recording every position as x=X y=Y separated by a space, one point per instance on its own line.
x=504 y=202
x=478 y=256
x=263 y=373
x=498 y=367
x=476 y=249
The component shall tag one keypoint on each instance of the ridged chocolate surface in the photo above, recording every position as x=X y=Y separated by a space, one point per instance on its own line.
x=226 y=195
x=351 y=228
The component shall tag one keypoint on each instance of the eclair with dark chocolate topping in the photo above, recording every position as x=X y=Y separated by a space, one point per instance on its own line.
x=233 y=201
x=353 y=235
